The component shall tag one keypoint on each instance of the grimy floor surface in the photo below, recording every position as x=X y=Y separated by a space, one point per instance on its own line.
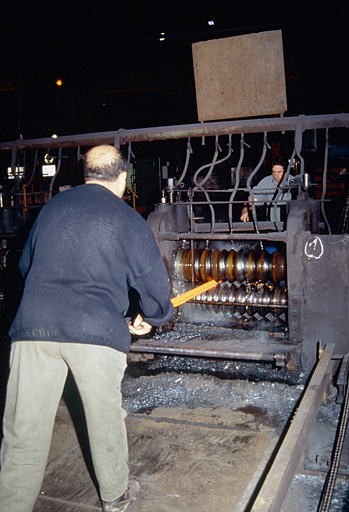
x=197 y=460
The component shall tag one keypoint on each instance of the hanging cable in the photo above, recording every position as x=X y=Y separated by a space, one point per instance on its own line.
x=129 y=155
x=237 y=180
x=15 y=164
x=199 y=185
x=186 y=165
x=56 y=174
x=298 y=140
x=266 y=146
x=214 y=162
x=33 y=172
x=209 y=165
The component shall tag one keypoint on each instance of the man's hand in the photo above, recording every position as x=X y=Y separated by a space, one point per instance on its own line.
x=244 y=217
x=139 y=326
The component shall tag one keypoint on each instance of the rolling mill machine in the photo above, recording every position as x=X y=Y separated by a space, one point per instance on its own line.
x=282 y=286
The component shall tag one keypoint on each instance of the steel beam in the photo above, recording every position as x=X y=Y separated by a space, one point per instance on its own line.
x=249 y=349
x=122 y=136
x=279 y=236
x=279 y=477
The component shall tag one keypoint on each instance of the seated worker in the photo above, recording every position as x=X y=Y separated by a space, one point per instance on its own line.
x=268 y=190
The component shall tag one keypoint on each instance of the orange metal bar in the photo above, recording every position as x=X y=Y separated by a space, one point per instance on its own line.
x=181 y=299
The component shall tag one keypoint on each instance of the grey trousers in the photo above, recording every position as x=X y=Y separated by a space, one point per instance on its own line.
x=38 y=372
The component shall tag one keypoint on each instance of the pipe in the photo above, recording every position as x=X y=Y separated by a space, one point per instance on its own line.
x=275 y=124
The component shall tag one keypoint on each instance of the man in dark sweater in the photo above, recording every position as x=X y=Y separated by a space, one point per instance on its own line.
x=85 y=252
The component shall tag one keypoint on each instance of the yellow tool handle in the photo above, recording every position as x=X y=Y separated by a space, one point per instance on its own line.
x=181 y=299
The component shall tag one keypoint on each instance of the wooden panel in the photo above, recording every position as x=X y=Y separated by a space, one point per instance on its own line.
x=241 y=76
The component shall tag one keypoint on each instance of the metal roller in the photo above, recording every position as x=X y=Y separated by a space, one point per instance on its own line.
x=263 y=267
x=264 y=300
x=251 y=299
x=246 y=265
x=279 y=300
x=231 y=264
x=278 y=267
x=223 y=263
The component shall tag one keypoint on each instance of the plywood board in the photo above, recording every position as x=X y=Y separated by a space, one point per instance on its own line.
x=241 y=76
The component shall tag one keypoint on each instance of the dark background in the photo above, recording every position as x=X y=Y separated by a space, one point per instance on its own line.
x=117 y=74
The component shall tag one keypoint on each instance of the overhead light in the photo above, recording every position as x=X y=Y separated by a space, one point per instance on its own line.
x=210 y=22
x=162 y=36
x=18 y=172
x=54 y=136
x=48 y=159
x=48 y=170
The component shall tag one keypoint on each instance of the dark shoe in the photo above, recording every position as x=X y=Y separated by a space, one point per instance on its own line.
x=123 y=502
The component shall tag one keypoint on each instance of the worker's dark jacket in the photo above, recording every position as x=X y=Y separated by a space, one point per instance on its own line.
x=85 y=251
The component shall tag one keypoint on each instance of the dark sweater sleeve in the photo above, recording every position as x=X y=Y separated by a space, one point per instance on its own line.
x=148 y=274
x=154 y=294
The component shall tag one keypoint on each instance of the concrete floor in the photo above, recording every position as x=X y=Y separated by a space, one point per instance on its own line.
x=186 y=459
x=197 y=442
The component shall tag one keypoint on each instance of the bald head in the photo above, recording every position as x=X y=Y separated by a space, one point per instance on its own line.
x=104 y=163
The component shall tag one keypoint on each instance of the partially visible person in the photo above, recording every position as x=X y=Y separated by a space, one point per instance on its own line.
x=85 y=252
x=268 y=190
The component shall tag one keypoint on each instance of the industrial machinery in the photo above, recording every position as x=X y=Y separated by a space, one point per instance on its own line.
x=282 y=286
x=278 y=294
